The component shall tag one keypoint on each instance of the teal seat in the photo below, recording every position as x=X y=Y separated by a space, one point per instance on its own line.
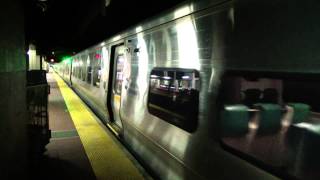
x=270 y=117
x=300 y=112
x=234 y=120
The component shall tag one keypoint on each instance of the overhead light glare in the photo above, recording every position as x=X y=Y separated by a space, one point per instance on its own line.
x=116 y=38
x=138 y=29
x=107 y=3
x=183 y=11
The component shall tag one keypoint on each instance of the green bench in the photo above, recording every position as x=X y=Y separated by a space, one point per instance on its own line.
x=300 y=112
x=270 y=117
x=234 y=120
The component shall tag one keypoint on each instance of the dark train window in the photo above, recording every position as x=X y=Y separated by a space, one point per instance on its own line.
x=97 y=73
x=174 y=96
x=79 y=71
x=83 y=64
x=89 y=74
x=119 y=74
x=97 y=76
x=273 y=119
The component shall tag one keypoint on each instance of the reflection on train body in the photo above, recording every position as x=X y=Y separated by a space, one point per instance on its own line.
x=212 y=89
x=267 y=118
x=174 y=95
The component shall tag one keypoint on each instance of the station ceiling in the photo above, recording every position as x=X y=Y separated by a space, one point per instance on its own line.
x=67 y=26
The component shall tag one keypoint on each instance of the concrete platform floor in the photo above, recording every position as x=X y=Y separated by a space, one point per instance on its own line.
x=64 y=157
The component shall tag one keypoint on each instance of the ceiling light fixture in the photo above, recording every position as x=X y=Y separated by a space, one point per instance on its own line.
x=107 y=3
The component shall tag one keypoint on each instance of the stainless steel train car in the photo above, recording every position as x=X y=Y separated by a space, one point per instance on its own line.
x=212 y=89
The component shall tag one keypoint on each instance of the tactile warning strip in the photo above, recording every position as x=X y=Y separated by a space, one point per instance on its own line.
x=64 y=134
x=108 y=161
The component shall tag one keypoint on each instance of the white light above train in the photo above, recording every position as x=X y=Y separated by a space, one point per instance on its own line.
x=138 y=29
x=107 y=2
x=183 y=11
x=116 y=38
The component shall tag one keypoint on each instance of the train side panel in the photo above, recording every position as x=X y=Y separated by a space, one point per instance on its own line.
x=196 y=42
x=171 y=102
x=90 y=78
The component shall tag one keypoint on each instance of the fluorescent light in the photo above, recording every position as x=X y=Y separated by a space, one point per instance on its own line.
x=183 y=11
x=116 y=38
x=107 y=3
x=138 y=29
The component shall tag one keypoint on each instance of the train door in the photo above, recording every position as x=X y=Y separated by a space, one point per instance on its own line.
x=118 y=57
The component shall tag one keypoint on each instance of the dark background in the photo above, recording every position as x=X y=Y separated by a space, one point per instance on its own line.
x=67 y=26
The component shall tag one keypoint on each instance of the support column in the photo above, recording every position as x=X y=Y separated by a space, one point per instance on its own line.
x=13 y=136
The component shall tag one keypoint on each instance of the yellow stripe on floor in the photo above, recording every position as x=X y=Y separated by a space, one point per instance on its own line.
x=108 y=161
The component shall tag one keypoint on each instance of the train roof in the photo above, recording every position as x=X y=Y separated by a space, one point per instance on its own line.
x=169 y=15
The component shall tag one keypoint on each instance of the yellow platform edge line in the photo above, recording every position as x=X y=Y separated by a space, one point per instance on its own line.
x=108 y=161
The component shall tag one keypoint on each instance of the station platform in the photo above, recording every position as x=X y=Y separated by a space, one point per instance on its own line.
x=81 y=147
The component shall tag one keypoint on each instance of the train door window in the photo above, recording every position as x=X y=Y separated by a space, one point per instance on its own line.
x=67 y=68
x=119 y=74
x=73 y=69
x=78 y=74
x=174 y=96
x=79 y=70
x=76 y=67
x=82 y=70
x=89 y=73
x=273 y=119
x=89 y=70
x=97 y=77
x=97 y=72
x=83 y=66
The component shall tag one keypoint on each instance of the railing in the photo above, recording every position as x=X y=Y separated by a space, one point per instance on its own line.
x=38 y=119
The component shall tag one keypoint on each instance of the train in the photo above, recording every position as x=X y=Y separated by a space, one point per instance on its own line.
x=211 y=89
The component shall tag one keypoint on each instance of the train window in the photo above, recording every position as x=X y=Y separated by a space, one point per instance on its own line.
x=174 y=96
x=83 y=71
x=89 y=74
x=75 y=68
x=119 y=74
x=97 y=75
x=273 y=119
x=78 y=75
